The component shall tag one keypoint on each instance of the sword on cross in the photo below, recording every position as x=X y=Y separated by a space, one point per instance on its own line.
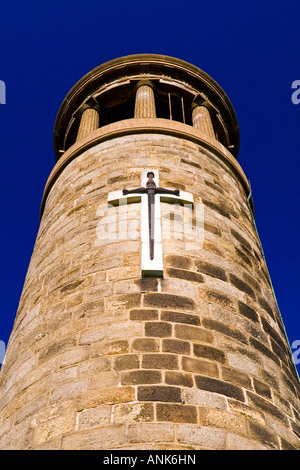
x=150 y=195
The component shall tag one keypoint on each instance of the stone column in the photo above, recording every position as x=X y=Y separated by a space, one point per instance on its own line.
x=89 y=122
x=144 y=100
x=202 y=120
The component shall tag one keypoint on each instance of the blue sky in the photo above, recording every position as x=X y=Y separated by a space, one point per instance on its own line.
x=251 y=48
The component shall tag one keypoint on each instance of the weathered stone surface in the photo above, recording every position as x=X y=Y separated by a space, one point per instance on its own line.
x=248 y=312
x=141 y=377
x=160 y=361
x=202 y=436
x=104 y=396
x=199 y=366
x=143 y=314
x=218 y=386
x=177 y=317
x=175 y=346
x=158 y=329
x=183 y=274
x=151 y=432
x=104 y=437
x=263 y=435
x=159 y=393
x=211 y=270
x=124 y=362
x=191 y=333
x=209 y=352
x=223 y=419
x=137 y=412
x=168 y=301
x=101 y=358
x=146 y=345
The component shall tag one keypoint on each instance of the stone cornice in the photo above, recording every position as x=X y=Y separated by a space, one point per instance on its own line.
x=145 y=126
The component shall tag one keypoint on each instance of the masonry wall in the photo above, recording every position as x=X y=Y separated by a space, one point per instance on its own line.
x=102 y=359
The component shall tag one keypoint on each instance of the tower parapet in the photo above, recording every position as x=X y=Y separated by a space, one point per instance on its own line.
x=147 y=318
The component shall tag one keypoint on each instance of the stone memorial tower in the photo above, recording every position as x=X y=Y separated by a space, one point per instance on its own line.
x=147 y=318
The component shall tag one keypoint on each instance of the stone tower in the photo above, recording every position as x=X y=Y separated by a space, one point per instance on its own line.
x=147 y=318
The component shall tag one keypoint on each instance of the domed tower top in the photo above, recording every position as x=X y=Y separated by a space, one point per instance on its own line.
x=178 y=86
x=148 y=318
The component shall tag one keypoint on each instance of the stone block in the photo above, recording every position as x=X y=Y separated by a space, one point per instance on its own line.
x=30 y=408
x=125 y=301
x=224 y=420
x=201 y=436
x=94 y=417
x=133 y=413
x=171 y=301
x=128 y=361
x=143 y=314
x=178 y=317
x=56 y=348
x=150 y=432
x=105 y=396
x=158 y=329
x=191 y=333
x=209 y=352
x=53 y=428
x=105 y=437
x=264 y=349
x=112 y=347
x=200 y=366
x=263 y=435
x=262 y=389
x=224 y=328
x=181 y=262
x=235 y=376
x=241 y=285
x=104 y=380
x=63 y=376
x=146 y=345
x=95 y=366
x=91 y=336
x=243 y=363
x=160 y=361
x=218 y=386
x=216 y=296
x=159 y=393
x=266 y=406
x=204 y=399
x=101 y=358
x=179 y=379
x=248 y=312
x=68 y=390
x=211 y=270
x=237 y=442
x=136 y=377
x=176 y=346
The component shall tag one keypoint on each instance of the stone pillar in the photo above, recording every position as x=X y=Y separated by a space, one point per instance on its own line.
x=89 y=122
x=144 y=100
x=202 y=120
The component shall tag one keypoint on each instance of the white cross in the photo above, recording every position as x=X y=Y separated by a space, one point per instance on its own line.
x=150 y=266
